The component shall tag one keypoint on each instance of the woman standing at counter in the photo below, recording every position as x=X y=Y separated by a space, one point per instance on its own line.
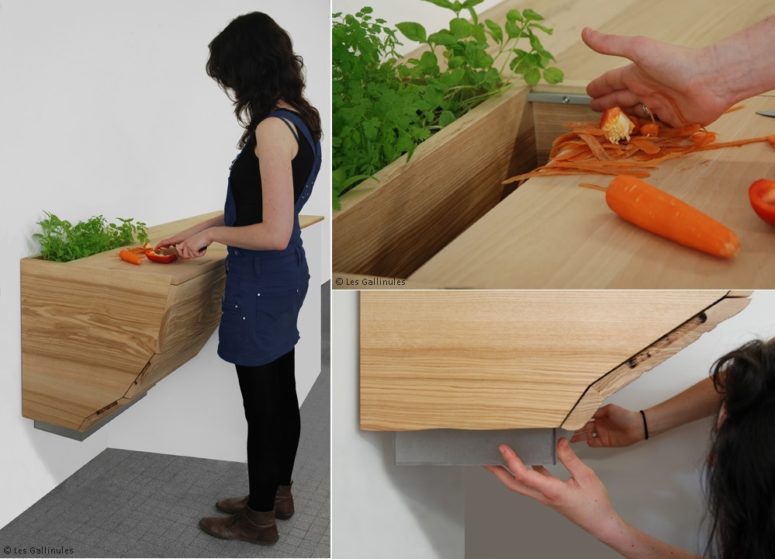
x=252 y=59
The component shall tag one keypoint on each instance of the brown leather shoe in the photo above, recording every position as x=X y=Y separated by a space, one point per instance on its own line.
x=247 y=525
x=232 y=505
x=283 y=503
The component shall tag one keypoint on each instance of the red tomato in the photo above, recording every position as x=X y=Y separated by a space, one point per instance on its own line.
x=762 y=196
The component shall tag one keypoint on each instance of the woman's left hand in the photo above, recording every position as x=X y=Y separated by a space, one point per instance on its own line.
x=195 y=245
x=582 y=499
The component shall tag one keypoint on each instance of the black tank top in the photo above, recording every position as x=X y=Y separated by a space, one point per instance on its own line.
x=245 y=178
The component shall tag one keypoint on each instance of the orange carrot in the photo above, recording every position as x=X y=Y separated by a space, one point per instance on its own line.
x=128 y=256
x=654 y=210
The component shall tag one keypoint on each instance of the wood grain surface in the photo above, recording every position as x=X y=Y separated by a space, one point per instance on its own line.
x=552 y=234
x=511 y=359
x=642 y=362
x=98 y=332
x=181 y=270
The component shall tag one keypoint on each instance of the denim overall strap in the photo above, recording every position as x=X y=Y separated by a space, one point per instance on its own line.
x=301 y=126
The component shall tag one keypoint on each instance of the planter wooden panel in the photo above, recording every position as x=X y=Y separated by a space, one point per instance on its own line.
x=517 y=359
x=97 y=333
x=390 y=225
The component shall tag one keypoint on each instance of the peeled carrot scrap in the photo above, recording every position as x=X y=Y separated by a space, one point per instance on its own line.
x=585 y=149
x=128 y=256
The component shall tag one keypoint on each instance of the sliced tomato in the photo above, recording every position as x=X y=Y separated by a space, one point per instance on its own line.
x=162 y=256
x=762 y=196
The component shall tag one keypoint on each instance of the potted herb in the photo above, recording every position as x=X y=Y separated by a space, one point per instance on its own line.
x=61 y=241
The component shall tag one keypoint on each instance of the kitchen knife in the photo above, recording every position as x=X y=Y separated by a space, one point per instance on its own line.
x=767 y=112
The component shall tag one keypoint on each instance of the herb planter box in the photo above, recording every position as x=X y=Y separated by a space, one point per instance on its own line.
x=392 y=224
x=484 y=360
x=98 y=332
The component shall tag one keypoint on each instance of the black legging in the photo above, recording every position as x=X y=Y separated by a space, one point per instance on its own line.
x=274 y=424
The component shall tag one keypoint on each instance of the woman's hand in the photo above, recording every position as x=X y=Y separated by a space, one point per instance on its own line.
x=582 y=499
x=194 y=245
x=612 y=426
x=678 y=84
x=172 y=241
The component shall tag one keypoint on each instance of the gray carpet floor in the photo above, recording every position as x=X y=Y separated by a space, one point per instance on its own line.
x=139 y=504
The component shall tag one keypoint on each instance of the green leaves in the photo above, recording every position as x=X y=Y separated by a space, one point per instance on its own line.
x=553 y=75
x=460 y=28
x=444 y=38
x=495 y=30
x=384 y=105
x=62 y=241
x=412 y=31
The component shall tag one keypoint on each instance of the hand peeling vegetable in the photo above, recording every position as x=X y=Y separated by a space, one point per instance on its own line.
x=655 y=210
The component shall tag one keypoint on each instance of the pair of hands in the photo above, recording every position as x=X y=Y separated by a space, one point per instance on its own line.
x=582 y=499
x=188 y=246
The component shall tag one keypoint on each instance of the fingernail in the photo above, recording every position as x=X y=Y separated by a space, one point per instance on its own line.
x=503 y=449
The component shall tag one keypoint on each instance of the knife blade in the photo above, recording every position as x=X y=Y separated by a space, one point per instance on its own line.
x=767 y=112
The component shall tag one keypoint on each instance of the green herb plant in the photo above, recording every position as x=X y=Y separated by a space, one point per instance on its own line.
x=62 y=241
x=384 y=106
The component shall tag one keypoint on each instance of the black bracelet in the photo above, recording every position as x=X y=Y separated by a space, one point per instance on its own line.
x=645 y=425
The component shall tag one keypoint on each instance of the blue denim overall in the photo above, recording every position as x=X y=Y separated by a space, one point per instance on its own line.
x=265 y=288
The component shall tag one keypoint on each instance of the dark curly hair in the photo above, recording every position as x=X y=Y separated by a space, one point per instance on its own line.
x=741 y=474
x=253 y=57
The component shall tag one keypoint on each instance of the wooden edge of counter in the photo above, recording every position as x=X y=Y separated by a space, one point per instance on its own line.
x=647 y=359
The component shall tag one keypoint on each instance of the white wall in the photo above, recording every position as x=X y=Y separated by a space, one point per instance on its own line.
x=105 y=108
x=380 y=510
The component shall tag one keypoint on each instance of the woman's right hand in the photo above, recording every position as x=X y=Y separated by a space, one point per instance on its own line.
x=172 y=241
x=612 y=426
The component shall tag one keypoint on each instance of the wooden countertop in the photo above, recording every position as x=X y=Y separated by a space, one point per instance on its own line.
x=552 y=234
x=505 y=359
x=179 y=271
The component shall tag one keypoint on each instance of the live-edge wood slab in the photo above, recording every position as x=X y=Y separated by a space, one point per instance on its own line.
x=98 y=332
x=517 y=359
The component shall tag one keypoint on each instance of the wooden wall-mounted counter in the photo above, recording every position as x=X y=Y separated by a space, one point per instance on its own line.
x=98 y=332
x=517 y=359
